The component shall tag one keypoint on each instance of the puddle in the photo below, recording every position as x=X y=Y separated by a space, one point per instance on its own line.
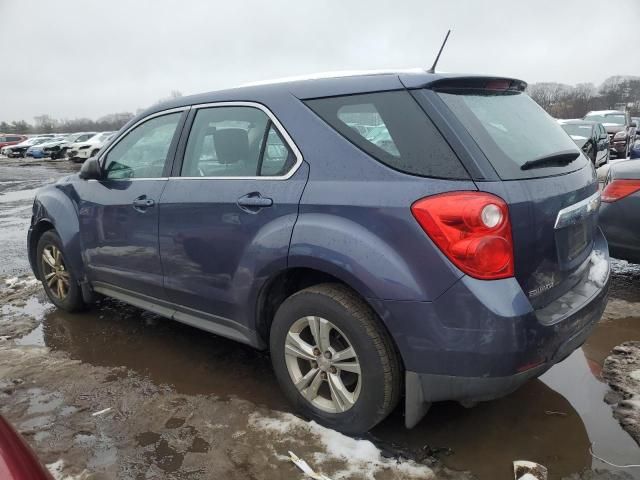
x=552 y=420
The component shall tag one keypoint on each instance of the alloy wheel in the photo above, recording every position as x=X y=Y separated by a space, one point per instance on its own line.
x=323 y=364
x=55 y=273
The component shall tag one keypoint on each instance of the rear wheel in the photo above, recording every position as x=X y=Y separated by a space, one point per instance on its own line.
x=334 y=360
x=60 y=284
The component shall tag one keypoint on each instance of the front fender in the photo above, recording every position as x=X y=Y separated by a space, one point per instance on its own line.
x=54 y=206
x=368 y=262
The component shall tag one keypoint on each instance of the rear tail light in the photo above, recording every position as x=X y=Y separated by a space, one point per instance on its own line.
x=619 y=189
x=472 y=229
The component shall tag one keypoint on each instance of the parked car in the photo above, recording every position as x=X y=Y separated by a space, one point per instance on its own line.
x=621 y=129
x=620 y=212
x=20 y=149
x=458 y=268
x=637 y=120
x=42 y=150
x=80 y=151
x=17 y=459
x=9 y=139
x=60 y=150
x=635 y=149
x=591 y=137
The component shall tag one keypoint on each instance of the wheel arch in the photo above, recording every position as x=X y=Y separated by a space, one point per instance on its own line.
x=291 y=280
x=53 y=210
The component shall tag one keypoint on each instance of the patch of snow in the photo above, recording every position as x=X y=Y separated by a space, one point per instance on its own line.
x=599 y=268
x=578 y=137
x=635 y=375
x=362 y=457
x=55 y=469
x=32 y=308
x=334 y=74
x=18 y=195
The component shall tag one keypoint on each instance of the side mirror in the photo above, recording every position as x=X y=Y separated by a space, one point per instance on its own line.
x=91 y=169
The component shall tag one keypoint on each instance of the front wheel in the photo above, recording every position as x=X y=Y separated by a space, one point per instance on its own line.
x=60 y=284
x=334 y=359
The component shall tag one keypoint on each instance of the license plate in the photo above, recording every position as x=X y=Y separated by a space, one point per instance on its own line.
x=577 y=238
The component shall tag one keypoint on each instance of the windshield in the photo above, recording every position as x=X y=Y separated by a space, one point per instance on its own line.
x=607 y=120
x=511 y=129
x=577 y=130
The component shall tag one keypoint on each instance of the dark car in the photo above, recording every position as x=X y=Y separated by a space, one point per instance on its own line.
x=591 y=137
x=621 y=129
x=7 y=140
x=620 y=212
x=451 y=260
x=17 y=459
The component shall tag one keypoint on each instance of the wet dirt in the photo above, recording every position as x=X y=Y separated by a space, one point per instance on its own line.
x=552 y=420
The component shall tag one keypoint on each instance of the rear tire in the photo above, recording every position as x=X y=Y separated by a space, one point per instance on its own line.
x=342 y=399
x=60 y=284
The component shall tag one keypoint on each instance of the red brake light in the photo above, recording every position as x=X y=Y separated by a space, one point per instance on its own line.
x=497 y=85
x=619 y=189
x=472 y=229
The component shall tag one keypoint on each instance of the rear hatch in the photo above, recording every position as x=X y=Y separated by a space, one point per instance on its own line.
x=549 y=185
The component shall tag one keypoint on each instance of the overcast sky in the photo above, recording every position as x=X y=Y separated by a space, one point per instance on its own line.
x=74 y=58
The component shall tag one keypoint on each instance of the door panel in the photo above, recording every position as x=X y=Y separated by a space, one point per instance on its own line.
x=119 y=213
x=215 y=252
x=120 y=241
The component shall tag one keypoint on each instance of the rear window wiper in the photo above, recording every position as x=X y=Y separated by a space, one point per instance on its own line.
x=559 y=159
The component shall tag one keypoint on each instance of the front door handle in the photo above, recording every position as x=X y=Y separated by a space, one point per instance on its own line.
x=253 y=202
x=142 y=203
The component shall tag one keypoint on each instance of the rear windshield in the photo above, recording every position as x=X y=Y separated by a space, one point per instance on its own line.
x=577 y=130
x=392 y=128
x=512 y=129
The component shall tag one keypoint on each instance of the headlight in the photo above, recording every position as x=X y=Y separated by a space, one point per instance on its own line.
x=620 y=134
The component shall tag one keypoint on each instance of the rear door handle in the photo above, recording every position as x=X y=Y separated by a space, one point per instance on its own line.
x=142 y=203
x=252 y=202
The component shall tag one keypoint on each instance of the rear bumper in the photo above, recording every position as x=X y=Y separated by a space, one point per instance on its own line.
x=482 y=339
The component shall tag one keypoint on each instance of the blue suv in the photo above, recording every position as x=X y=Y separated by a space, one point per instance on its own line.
x=398 y=235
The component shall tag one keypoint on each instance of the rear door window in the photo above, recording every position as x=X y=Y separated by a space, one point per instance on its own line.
x=512 y=129
x=392 y=128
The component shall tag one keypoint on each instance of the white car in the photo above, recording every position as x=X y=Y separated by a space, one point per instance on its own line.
x=79 y=152
x=70 y=142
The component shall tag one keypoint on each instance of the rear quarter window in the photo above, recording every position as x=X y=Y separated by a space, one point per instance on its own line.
x=393 y=129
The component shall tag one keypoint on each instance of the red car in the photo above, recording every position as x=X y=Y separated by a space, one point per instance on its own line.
x=17 y=460
x=11 y=139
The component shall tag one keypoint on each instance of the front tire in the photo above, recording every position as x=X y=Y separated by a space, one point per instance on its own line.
x=334 y=360
x=60 y=284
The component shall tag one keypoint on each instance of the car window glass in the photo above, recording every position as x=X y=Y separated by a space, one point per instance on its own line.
x=229 y=141
x=142 y=153
x=277 y=157
x=393 y=129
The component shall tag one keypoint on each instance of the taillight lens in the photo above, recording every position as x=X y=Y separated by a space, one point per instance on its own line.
x=619 y=189
x=472 y=229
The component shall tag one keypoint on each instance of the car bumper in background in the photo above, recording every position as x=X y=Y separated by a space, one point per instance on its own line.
x=619 y=221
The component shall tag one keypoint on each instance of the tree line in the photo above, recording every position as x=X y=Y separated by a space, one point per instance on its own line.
x=558 y=99
x=48 y=124
x=574 y=101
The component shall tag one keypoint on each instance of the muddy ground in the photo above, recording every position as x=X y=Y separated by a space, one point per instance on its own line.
x=622 y=371
x=119 y=393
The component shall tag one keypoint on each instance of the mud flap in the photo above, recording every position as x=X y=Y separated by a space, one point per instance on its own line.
x=415 y=406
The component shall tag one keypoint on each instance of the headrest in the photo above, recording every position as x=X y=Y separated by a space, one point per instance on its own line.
x=232 y=144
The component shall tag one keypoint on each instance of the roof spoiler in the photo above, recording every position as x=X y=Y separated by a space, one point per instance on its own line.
x=496 y=84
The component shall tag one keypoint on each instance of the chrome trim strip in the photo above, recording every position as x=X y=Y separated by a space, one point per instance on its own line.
x=571 y=214
x=287 y=138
